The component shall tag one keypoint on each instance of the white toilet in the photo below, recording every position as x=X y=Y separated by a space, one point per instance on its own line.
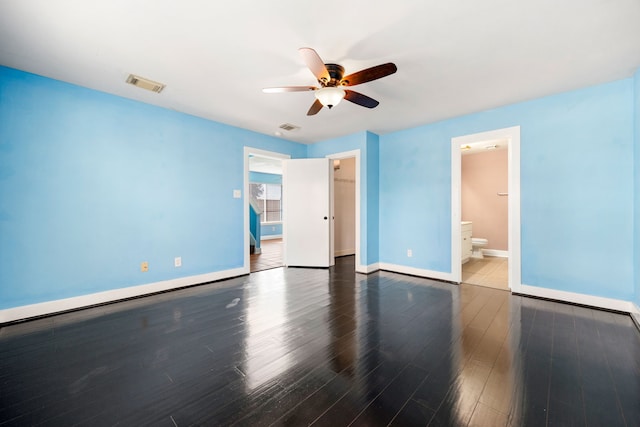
x=477 y=243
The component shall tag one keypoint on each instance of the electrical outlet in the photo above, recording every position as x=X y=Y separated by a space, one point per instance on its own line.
x=144 y=266
x=177 y=261
x=237 y=194
x=409 y=253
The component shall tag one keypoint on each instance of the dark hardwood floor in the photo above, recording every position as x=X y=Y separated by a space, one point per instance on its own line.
x=291 y=347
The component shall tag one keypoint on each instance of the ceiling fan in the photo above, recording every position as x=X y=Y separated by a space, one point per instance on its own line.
x=330 y=77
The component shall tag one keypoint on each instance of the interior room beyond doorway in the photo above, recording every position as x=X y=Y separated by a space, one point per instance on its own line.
x=344 y=196
x=484 y=197
x=266 y=212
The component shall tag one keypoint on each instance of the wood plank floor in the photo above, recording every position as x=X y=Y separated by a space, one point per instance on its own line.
x=269 y=257
x=291 y=347
x=488 y=271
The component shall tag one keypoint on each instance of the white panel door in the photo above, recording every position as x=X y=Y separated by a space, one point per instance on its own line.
x=307 y=212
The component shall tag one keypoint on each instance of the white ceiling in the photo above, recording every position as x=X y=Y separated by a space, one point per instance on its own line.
x=265 y=165
x=453 y=57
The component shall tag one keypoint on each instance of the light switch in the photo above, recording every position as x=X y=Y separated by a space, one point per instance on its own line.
x=237 y=194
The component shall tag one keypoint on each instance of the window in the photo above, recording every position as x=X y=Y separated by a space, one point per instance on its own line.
x=269 y=197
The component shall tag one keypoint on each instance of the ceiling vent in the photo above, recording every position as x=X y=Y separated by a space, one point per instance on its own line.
x=289 y=127
x=143 y=83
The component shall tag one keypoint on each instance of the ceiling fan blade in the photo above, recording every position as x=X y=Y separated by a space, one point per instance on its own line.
x=315 y=107
x=360 y=99
x=288 y=89
x=369 y=74
x=315 y=64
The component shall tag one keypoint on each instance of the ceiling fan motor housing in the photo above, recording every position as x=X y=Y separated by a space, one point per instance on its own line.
x=335 y=72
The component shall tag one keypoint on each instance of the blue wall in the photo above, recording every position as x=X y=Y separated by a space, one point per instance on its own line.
x=576 y=188
x=636 y=120
x=271 y=229
x=372 y=198
x=367 y=143
x=254 y=226
x=92 y=184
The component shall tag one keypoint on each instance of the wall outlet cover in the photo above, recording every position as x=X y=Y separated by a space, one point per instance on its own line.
x=177 y=261
x=144 y=266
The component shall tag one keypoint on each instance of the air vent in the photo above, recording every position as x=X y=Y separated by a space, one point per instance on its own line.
x=289 y=127
x=143 y=83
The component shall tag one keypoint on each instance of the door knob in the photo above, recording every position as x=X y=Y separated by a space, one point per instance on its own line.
x=325 y=217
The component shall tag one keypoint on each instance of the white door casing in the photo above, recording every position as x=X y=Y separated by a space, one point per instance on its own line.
x=262 y=153
x=356 y=155
x=512 y=134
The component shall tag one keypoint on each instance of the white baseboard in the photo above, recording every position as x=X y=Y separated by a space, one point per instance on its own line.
x=590 y=300
x=430 y=274
x=56 y=306
x=496 y=253
x=271 y=237
x=367 y=269
x=635 y=315
x=344 y=252
x=257 y=251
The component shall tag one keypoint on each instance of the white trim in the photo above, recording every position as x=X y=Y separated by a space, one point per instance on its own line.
x=584 y=299
x=496 y=253
x=263 y=153
x=345 y=252
x=635 y=315
x=512 y=134
x=348 y=155
x=366 y=269
x=456 y=211
x=430 y=274
x=271 y=237
x=56 y=306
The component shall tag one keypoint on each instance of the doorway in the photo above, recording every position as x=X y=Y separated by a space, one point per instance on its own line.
x=484 y=210
x=355 y=154
x=347 y=230
x=344 y=202
x=263 y=197
x=511 y=138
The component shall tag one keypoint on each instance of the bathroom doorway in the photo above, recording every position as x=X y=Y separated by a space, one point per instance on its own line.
x=498 y=257
x=484 y=210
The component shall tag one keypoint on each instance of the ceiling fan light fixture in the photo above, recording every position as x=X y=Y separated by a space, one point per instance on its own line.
x=330 y=96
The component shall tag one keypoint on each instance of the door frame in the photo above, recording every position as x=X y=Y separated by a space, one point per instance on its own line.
x=512 y=134
x=246 y=153
x=347 y=155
